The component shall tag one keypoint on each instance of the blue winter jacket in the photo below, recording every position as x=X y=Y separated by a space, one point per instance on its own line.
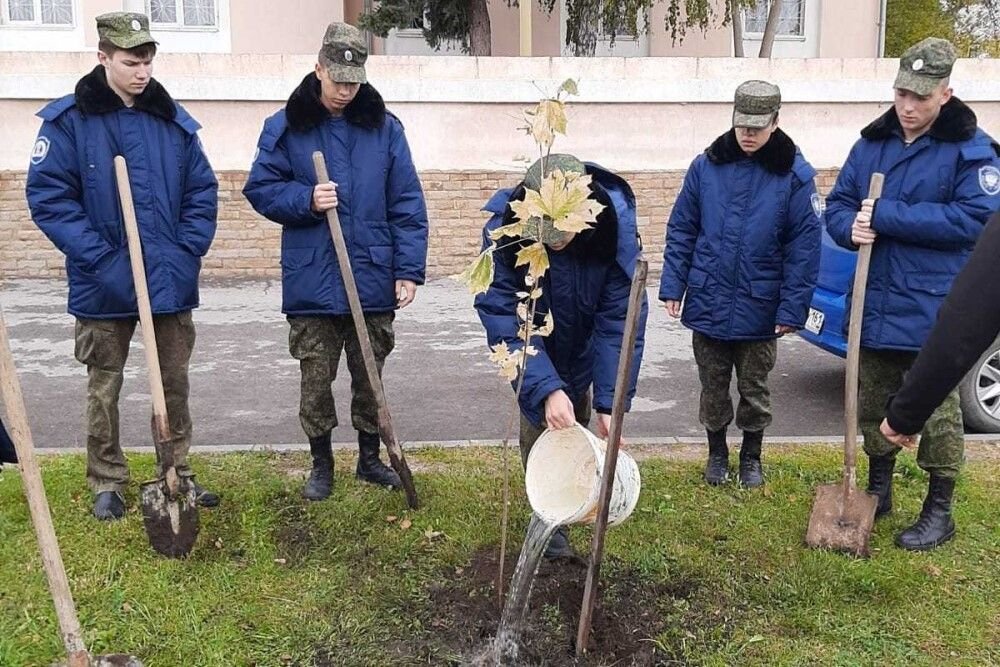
x=73 y=196
x=743 y=240
x=938 y=194
x=586 y=289
x=380 y=201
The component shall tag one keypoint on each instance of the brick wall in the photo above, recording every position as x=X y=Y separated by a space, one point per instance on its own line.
x=246 y=245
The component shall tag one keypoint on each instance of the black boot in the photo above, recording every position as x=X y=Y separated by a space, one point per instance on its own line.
x=559 y=546
x=935 y=525
x=880 y=481
x=751 y=473
x=109 y=506
x=370 y=467
x=320 y=482
x=717 y=468
x=204 y=497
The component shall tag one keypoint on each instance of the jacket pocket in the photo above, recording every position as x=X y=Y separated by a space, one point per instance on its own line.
x=293 y=259
x=381 y=255
x=937 y=284
x=697 y=278
x=765 y=289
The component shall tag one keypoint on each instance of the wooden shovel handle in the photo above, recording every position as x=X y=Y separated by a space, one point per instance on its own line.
x=854 y=348
x=38 y=504
x=396 y=456
x=161 y=427
x=625 y=361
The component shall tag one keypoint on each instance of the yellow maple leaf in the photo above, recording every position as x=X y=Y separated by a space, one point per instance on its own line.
x=563 y=201
x=506 y=360
x=513 y=229
x=535 y=257
x=545 y=120
x=547 y=327
x=478 y=276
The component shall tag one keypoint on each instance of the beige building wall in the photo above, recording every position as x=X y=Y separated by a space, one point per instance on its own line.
x=646 y=118
x=833 y=28
x=849 y=32
x=281 y=26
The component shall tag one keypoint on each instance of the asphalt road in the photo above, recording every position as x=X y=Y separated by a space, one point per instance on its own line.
x=440 y=385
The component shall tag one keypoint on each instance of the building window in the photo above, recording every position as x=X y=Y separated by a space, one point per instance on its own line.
x=37 y=12
x=197 y=14
x=791 y=21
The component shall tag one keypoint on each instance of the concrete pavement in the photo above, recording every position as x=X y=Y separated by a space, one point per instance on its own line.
x=440 y=385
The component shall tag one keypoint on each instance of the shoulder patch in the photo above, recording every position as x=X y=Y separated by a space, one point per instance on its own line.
x=40 y=150
x=989 y=179
x=818 y=204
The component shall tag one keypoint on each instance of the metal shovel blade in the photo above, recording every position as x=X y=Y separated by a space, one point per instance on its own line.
x=842 y=520
x=171 y=519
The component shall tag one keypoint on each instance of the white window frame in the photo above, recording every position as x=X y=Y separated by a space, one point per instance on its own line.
x=782 y=36
x=36 y=24
x=179 y=25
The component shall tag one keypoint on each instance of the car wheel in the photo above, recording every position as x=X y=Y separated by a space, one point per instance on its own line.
x=980 y=393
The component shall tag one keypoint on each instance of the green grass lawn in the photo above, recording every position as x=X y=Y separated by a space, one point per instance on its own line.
x=278 y=581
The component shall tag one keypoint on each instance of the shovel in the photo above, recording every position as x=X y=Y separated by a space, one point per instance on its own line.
x=38 y=506
x=169 y=506
x=625 y=360
x=843 y=515
x=396 y=457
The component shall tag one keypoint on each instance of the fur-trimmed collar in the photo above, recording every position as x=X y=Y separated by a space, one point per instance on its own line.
x=777 y=155
x=956 y=122
x=305 y=111
x=94 y=96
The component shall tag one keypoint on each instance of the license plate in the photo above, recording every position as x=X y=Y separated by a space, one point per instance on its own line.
x=814 y=323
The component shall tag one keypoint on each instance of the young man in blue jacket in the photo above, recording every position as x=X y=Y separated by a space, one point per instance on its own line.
x=742 y=253
x=942 y=182
x=381 y=207
x=120 y=109
x=586 y=291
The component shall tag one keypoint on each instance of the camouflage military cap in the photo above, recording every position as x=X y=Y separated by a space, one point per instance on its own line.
x=755 y=104
x=126 y=30
x=564 y=162
x=924 y=65
x=344 y=53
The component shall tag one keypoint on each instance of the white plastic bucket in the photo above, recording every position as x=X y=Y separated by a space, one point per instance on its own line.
x=563 y=478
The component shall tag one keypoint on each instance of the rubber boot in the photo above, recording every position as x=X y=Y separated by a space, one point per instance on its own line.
x=109 y=506
x=320 y=482
x=935 y=525
x=717 y=468
x=370 y=467
x=559 y=546
x=880 y=481
x=751 y=473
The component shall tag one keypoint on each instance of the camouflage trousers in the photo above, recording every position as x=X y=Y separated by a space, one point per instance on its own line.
x=317 y=343
x=103 y=346
x=942 y=445
x=753 y=361
x=530 y=433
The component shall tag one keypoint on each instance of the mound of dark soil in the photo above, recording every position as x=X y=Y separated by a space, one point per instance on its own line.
x=626 y=622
